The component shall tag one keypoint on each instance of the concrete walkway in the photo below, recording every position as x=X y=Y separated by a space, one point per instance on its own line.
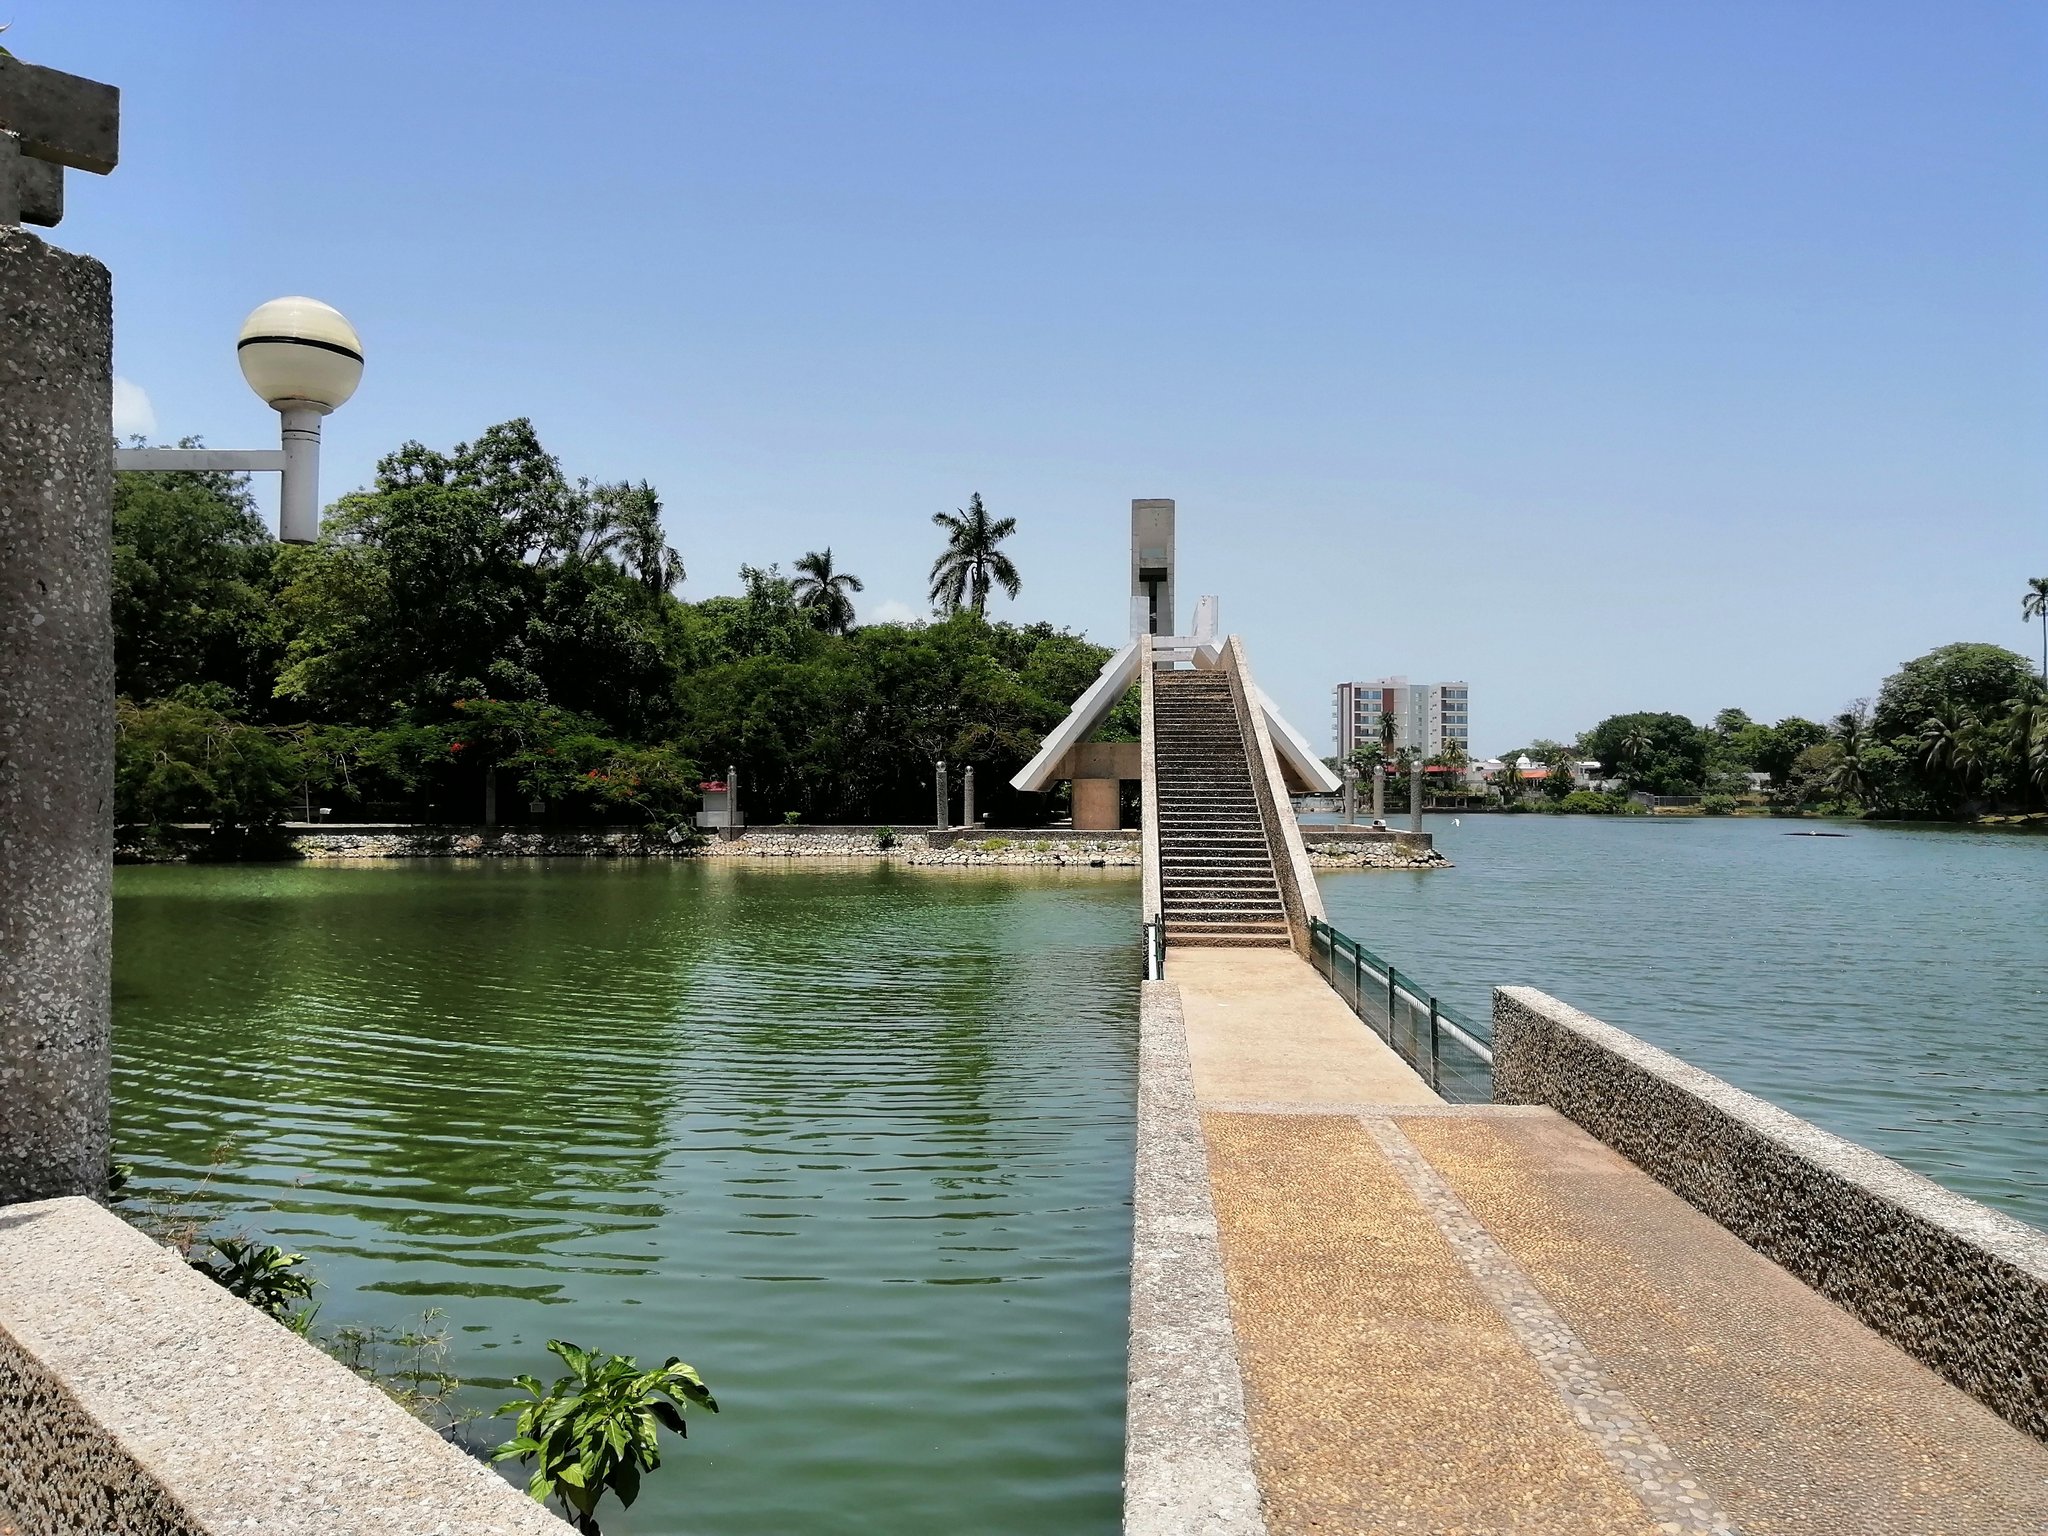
x=1479 y=1319
x=1263 y=1026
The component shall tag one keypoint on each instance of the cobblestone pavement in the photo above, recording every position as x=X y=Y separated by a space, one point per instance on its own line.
x=1478 y=1319
x=1470 y=1321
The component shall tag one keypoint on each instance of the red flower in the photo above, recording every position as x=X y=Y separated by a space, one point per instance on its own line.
x=457 y=746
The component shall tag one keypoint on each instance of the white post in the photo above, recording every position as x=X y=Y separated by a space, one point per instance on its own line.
x=1379 y=791
x=967 y=796
x=945 y=800
x=298 y=515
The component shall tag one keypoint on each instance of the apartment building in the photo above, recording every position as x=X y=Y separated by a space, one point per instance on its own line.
x=1429 y=717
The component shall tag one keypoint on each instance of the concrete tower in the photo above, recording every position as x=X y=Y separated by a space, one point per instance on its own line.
x=1152 y=607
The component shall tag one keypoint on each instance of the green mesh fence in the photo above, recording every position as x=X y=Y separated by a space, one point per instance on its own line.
x=1451 y=1052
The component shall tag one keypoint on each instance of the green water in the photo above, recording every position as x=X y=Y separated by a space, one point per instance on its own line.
x=1890 y=984
x=854 y=1142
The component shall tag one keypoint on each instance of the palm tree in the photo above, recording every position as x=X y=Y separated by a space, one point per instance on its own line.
x=1849 y=778
x=972 y=564
x=1942 y=741
x=2035 y=606
x=822 y=591
x=2024 y=733
x=626 y=525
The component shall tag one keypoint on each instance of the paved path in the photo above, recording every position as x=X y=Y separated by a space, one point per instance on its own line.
x=1263 y=1026
x=1454 y=1319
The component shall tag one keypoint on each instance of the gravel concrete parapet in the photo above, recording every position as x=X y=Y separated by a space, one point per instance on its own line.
x=56 y=718
x=1298 y=889
x=138 y=1398
x=1187 y=1447
x=1952 y=1282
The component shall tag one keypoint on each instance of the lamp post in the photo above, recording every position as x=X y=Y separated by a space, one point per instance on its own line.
x=303 y=359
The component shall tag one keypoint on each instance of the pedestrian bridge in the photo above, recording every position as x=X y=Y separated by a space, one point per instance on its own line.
x=1615 y=1296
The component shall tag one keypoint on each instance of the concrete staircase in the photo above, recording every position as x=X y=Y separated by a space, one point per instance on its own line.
x=1217 y=884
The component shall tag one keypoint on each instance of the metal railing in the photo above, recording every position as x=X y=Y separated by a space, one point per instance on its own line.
x=1450 y=1051
x=1155 y=950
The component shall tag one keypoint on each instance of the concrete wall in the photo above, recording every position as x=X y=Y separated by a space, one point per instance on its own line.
x=1951 y=1281
x=138 y=1398
x=56 y=718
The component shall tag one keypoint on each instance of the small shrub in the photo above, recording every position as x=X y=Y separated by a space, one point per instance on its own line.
x=1586 y=802
x=885 y=839
x=262 y=1274
x=995 y=844
x=1043 y=845
x=1717 y=805
x=595 y=1431
x=791 y=818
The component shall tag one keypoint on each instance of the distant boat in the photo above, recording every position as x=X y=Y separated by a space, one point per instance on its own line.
x=1816 y=834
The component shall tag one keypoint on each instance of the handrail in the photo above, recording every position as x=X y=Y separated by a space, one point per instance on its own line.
x=1155 y=949
x=1338 y=957
x=1148 y=784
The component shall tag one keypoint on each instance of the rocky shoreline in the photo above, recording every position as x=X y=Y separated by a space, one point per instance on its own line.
x=1054 y=848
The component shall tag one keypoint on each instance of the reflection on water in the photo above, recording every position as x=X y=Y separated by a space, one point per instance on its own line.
x=855 y=1142
x=1891 y=985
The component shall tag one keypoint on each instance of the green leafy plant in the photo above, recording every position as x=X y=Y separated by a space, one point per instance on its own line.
x=792 y=818
x=1717 y=805
x=262 y=1274
x=596 y=1430
x=995 y=845
x=885 y=839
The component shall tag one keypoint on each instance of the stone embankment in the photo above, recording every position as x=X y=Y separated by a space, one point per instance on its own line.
x=1386 y=853
x=1054 y=847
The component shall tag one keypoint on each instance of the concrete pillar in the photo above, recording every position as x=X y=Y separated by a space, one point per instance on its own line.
x=1379 y=791
x=56 y=718
x=967 y=796
x=1350 y=795
x=1415 y=795
x=732 y=798
x=1098 y=804
x=942 y=810
x=491 y=796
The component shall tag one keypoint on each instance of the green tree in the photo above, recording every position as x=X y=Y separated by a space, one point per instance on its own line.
x=1779 y=747
x=1658 y=754
x=185 y=761
x=191 y=579
x=2034 y=605
x=822 y=592
x=470 y=574
x=1557 y=780
x=626 y=526
x=1979 y=678
x=972 y=563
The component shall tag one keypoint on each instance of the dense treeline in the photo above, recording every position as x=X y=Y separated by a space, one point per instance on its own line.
x=1961 y=731
x=476 y=622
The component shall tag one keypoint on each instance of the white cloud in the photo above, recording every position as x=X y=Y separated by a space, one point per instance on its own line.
x=890 y=611
x=133 y=413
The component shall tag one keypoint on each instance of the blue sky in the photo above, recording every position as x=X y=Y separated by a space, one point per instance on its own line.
x=1608 y=356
